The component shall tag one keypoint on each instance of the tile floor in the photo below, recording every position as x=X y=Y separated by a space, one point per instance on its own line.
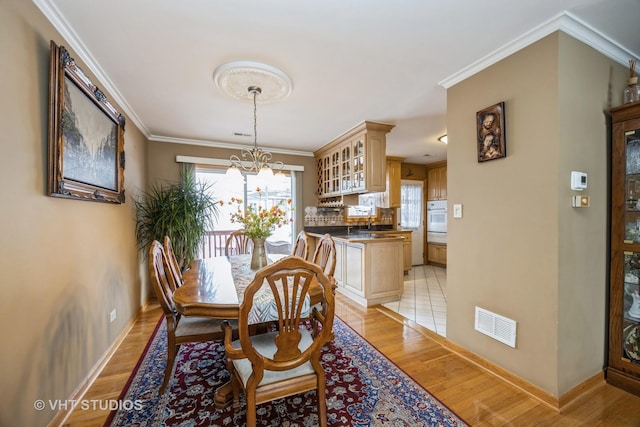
x=425 y=298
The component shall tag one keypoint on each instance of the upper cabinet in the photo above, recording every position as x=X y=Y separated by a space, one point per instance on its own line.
x=390 y=198
x=354 y=162
x=437 y=183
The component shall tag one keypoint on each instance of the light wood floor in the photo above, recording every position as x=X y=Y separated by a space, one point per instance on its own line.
x=477 y=396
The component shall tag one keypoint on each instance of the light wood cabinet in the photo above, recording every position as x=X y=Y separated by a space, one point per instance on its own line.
x=406 y=245
x=328 y=172
x=368 y=270
x=355 y=162
x=437 y=183
x=623 y=368
x=437 y=253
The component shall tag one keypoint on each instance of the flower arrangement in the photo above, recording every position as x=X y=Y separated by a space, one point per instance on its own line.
x=260 y=222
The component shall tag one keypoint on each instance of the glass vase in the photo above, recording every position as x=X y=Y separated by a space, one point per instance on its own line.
x=259 y=254
x=632 y=91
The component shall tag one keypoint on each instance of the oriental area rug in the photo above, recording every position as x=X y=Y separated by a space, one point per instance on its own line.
x=364 y=388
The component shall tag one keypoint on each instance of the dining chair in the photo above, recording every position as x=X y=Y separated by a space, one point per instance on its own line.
x=175 y=277
x=286 y=361
x=301 y=246
x=237 y=244
x=325 y=257
x=180 y=329
x=325 y=254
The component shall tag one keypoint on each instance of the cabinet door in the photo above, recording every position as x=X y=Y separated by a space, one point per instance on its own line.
x=393 y=183
x=442 y=181
x=624 y=291
x=346 y=168
x=437 y=253
x=335 y=172
x=433 y=184
x=406 y=255
x=353 y=265
x=358 y=153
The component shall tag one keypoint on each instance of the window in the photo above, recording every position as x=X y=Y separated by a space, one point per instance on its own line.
x=223 y=188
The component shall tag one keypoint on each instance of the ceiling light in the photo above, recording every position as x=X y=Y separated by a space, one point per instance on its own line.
x=443 y=139
x=254 y=159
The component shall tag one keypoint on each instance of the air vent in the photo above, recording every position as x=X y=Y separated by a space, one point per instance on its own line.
x=496 y=326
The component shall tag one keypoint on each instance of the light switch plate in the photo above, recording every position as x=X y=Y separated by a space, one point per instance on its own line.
x=457 y=211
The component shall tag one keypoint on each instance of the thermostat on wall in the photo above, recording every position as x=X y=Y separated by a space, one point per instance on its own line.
x=578 y=180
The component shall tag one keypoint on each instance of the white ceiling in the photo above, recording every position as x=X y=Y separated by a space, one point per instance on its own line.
x=349 y=60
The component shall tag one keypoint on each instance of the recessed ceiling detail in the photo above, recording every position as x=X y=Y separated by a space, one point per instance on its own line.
x=233 y=78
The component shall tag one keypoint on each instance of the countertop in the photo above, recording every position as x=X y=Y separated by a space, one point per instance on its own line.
x=363 y=237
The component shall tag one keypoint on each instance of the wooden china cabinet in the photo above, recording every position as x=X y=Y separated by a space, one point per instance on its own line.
x=623 y=368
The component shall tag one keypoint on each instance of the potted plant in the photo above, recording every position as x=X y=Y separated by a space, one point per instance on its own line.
x=182 y=210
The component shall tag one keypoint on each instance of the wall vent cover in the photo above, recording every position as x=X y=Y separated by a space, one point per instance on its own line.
x=496 y=326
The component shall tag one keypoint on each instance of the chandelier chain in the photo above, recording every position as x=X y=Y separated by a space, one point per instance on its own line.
x=255 y=120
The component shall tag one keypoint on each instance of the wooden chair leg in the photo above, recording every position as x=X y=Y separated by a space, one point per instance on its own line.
x=172 y=350
x=251 y=408
x=322 y=403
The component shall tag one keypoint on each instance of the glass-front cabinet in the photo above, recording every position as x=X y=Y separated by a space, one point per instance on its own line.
x=623 y=368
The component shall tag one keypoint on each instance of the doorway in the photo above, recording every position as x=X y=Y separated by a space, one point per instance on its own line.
x=412 y=216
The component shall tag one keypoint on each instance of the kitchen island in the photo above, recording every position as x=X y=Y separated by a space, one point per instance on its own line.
x=369 y=266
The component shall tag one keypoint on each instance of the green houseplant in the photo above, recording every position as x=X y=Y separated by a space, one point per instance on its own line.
x=182 y=210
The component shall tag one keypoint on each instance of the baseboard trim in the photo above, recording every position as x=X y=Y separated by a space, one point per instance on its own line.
x=558 y=404
x=62 y=415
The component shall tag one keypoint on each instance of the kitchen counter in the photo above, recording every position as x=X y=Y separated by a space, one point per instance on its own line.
x=369 y=266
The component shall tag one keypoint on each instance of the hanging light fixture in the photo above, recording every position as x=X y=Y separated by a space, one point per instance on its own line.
x=256 y=158
x=274 y=85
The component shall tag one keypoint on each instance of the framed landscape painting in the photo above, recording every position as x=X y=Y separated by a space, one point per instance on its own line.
x=491 y=142
x=86 y=136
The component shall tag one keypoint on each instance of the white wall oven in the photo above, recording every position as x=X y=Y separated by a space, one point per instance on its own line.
x=437 y=216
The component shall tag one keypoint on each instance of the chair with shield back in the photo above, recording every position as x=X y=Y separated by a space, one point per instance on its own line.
x=301 y=246
x=175 y=278
x=180 y=329
x=237 y=244
x=325 y=257
x=286 y=361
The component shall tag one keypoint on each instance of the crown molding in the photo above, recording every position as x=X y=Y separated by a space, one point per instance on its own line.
x=565 y=22
x=52 y=13
x=229 y=145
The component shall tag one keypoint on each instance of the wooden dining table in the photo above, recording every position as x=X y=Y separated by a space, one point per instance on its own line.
x=214 y=287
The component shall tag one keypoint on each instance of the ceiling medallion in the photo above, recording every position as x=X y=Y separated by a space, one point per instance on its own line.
x=234 y=78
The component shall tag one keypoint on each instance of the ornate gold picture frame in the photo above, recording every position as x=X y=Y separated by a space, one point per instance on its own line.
x=86 y=136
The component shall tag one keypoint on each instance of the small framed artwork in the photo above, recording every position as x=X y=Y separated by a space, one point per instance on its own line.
x=492 y=143
x=85 y=138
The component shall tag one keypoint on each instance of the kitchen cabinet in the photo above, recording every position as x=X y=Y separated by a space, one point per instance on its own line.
x=368 y=270
x=437 y=253
x=437 y=183
x=623 y=368
x=354 y=162
x=406 y=245
x=391 y=196
x=328 y=170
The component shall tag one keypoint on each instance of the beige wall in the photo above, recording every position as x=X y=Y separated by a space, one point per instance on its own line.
x=65 y=264
x=520 y=250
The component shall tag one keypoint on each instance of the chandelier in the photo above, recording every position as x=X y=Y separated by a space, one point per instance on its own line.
x=254 y=159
